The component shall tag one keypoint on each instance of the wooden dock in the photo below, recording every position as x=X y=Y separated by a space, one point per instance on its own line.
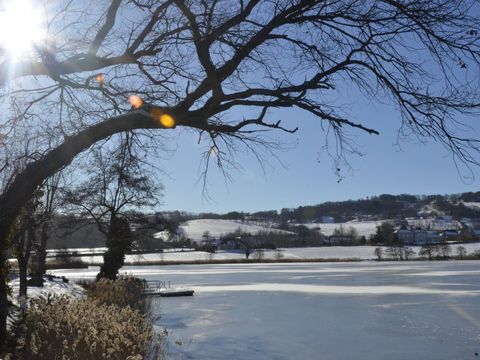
x=163 y=288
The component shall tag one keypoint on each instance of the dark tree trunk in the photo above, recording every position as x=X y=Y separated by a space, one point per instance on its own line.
x=119 y=241
x=22 y=271
x=40 y=257
x=23 y=264
x=3 y=299
x=24 y=242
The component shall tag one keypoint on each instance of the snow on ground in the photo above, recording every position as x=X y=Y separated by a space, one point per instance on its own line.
x=52 y=286
x=472 y=205
x=77 y=250
x=363 y=228
x=99 y=250
x=194 y=229
x=170 y=256
x=331 y=252
x=326 y=252
x=354 y=252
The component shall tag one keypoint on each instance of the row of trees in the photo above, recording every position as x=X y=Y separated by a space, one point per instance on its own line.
x=441 y=251
x=394 y=252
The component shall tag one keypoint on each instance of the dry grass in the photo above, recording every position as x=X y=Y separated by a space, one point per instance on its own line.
x=125 y=291
x=66 y=329
x=110 y=323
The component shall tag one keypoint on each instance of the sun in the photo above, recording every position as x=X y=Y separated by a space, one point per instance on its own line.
x=21 y=27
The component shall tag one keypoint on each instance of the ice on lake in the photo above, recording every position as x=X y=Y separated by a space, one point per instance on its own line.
x=362 y=310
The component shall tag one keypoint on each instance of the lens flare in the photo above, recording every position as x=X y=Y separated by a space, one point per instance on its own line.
x=167 y=120
x=136 y=101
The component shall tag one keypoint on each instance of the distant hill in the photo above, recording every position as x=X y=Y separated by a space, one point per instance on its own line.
x=195 y=229
x=363 y=214
x=466 y=205
x=372 y=208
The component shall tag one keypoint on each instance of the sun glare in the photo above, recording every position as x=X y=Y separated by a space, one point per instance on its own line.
x=20 y=27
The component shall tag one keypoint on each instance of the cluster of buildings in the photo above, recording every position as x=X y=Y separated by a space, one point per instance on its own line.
x=421 y=231
x=417 y=231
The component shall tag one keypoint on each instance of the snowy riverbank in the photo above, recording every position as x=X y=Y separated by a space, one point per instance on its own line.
x=306 y=253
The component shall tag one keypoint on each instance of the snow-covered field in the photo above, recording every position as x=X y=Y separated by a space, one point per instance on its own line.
x=472 y=205
x=332 y=252
x=363 y=228
x=195 y=229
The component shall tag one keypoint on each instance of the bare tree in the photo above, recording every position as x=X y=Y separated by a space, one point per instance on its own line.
x=428 y=250
x=444 y=250
x=461 y=252
x=408 y=252
x=395 y=251
x=22 y=241
x=45 y=216
x=202 y=63
x=117 y=183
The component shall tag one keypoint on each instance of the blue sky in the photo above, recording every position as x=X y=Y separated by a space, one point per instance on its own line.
x=305 y=176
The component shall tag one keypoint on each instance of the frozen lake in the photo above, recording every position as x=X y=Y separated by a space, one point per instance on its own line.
x=366 y=310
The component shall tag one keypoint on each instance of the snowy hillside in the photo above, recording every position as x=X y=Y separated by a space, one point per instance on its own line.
x=363 y=228
x=472 y=205
x=194 y=229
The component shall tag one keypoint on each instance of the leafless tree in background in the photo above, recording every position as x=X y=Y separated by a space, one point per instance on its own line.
x=116 y=183
x=208 y=65
x=49 y=204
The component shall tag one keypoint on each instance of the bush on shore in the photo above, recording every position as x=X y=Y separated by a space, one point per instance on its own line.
x=66 y=329
x=125 y=291
x=109 y=323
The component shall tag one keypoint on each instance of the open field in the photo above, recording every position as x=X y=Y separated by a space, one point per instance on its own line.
x=312 y=253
